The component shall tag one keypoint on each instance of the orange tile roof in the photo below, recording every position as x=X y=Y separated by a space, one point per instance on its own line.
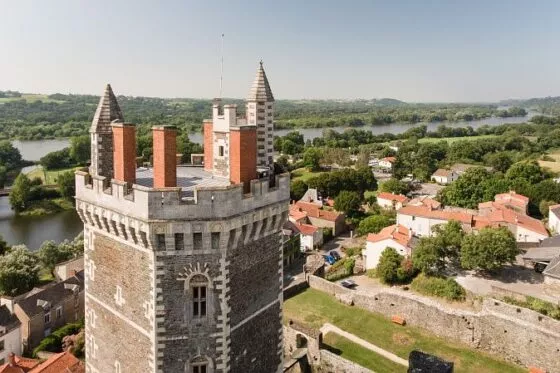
x=59 y=363
x=392 y=197
x=397 y=232
x=306 y=229
x=443 y=172
x=389 y=159
x=297 y=214
x=425 y=201
x=314 y=211
x=500 y=215
x=22 y=364
x=427 y=212
x=512 y=195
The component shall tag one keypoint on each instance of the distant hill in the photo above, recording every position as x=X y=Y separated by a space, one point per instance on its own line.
x=547 y=105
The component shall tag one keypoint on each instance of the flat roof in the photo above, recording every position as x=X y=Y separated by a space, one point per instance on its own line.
x=188 y=178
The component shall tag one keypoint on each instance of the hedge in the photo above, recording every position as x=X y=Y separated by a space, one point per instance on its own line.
x=446 y=288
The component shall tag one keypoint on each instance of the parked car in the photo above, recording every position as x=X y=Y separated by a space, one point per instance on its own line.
x=335 y=255
x=348 y=284
x=329 y=259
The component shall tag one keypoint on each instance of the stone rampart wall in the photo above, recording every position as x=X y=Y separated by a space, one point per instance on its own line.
x=331 y=363
x=514 y=333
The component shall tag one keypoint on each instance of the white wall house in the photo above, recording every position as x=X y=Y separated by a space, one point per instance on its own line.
x=310 y=236
x=387 y=162
x=554 y=219
x=396 y=236
x=421 y=219
x=444 y=177
x=391 y=201
x=10 y=334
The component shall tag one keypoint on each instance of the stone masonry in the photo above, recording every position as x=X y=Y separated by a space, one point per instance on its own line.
x=182 y=280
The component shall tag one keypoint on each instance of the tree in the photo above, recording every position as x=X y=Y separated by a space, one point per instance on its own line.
x=298 y=188
x=3 y=175
x=50 y=254
x=347 y=201
x=312 y=158
x=388 y=266
x=289 y=147
x=56 y=160
x=10 y=156
x=544 y=207
x=528 y=171
x=67 y=184
x=20 y=193
x=374 y=224
x=432 y=254
x=394 y=186
x=19 y=271
x=80 y=148
x=466 y=191
x=499 y=161
x=3 y=245
x=488 y=250
x=186 y=147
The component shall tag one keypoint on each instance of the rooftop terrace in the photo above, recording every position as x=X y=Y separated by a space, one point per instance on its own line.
x=188 y=178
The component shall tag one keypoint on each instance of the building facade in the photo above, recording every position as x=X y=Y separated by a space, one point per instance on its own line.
x=184 y=264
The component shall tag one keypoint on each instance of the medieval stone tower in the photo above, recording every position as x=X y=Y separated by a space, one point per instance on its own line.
x=183 y=264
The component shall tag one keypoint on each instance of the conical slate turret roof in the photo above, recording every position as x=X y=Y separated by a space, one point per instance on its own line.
x=107 y=111
x=260 y=90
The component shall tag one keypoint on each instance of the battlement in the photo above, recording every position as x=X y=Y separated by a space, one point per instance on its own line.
x=198 y=202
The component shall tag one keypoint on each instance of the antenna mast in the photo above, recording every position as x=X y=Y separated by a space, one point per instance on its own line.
x=222 y=67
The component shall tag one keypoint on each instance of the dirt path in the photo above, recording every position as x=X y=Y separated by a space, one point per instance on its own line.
x=326 y=328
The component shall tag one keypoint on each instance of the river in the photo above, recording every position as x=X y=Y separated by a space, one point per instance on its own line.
x=32 y=231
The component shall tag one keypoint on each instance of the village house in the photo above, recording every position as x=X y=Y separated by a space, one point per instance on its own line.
x=43 y=310
x=63 y=362
x=311 y=237
x=421 y=219
x=387 y=163
x=444 y=176
x=461 y=168
x=539 y=257
x=10 y=334
x=396 y=236
x=507 y=210
x=425 y=201
x=67 y=269
x=309 y=213
x=552 y=272
x=391 y=201
x=554 y=218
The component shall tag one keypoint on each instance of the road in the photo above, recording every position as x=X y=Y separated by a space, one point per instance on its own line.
x=330 y=328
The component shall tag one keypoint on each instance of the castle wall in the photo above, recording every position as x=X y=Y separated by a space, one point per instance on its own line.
x=119 y=323
x=517 y=334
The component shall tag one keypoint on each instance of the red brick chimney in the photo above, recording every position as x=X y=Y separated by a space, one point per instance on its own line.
x=165 y=156
x=208 y=145
x=243 y=155
x=124 y=152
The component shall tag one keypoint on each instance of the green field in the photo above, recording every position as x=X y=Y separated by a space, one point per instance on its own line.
x=48 y=177
x=29 y=98
x=360 y=355
x=304 y=174
x=314 y=308
x=553 y=166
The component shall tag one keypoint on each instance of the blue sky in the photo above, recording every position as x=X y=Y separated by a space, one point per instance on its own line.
x=410 y=50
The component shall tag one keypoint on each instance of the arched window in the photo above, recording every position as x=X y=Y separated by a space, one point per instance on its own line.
x=199 y=293
x=199 y=365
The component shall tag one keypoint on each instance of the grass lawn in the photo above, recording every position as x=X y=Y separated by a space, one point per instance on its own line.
x=29 y=98
x=51 y=175
x=360 y=355
x=304 y=174
x=553 y=166
x=313 y=308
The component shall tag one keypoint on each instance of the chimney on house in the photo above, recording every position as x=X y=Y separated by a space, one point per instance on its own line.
x=243 y=155
x=165 y=156
x=12 y=359
x=124 y=151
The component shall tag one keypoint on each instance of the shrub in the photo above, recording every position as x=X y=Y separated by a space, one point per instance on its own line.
x=537 y=305
x=342 y=268
x=371 y=273
x=438 y=287
x=53 y=343
x=351 y=251
x=327 y=234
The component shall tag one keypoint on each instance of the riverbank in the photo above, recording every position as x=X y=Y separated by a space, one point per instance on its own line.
x=47 y=207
